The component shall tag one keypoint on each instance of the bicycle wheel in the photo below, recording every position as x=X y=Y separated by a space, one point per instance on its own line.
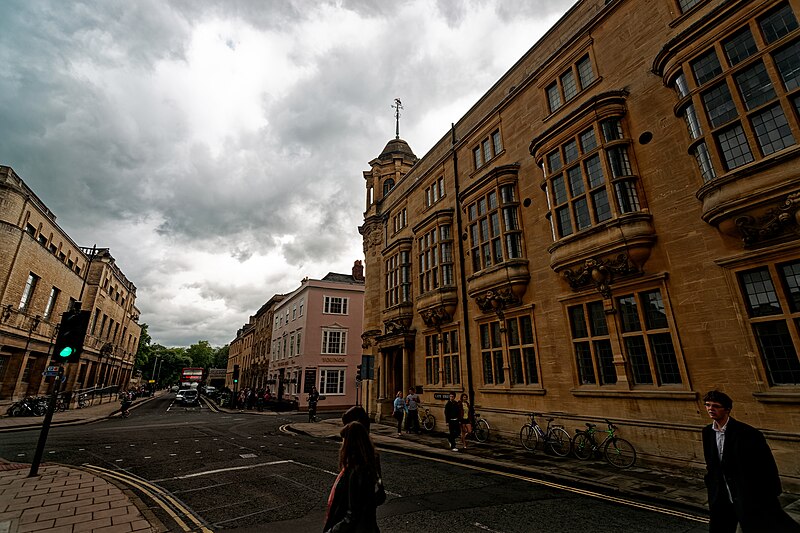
x=620 y=453
x=582 y=446
x=481 y=431
x=559 y=442
x=15 y=410
x=428 y=422
x=528 y=437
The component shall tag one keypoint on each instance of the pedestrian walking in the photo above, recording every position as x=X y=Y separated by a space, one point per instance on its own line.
x=452 y=414
x=466 y=416
x=352 y=501
x=412 y=416
x=313 y=398
x=399 y=411
x=742 y=480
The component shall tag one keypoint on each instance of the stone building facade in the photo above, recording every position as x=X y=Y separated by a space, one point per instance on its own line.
x=609 y=232
x=251 y=348
x=42 y=272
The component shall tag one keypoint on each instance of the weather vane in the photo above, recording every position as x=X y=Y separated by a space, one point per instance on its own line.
x=398 y=105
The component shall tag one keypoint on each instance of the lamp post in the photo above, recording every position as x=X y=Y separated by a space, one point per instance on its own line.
x=158 y=371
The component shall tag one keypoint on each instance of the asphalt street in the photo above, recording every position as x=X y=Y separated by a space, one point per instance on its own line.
x=247 y=472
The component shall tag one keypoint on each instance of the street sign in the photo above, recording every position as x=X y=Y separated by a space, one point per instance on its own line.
x=151 y=381
x=51 y=371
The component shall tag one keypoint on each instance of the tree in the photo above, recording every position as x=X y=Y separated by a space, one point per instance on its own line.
x=201 y=354
x=221 y=357
x=144 y=353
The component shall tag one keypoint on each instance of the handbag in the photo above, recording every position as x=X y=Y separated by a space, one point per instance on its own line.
x=380 y=492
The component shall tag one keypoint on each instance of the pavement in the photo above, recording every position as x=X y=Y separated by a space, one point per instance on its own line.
x=73 y=499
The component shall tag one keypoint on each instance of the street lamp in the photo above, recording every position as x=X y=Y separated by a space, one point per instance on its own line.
x=158 y=371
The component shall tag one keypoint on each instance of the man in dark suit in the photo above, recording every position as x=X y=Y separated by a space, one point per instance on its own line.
x=742 y=480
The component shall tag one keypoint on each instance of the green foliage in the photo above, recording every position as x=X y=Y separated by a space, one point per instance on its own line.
x=201 y=354
x=220 y=357
x=167 y=362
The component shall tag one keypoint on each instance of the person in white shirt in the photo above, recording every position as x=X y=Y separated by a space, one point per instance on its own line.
x=742 y=479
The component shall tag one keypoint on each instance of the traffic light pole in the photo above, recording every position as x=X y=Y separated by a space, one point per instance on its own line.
x=48 y=418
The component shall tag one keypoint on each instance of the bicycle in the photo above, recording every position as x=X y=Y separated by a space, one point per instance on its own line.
x=555 y=437
x=426 y=420
x=83 y=401
x=61 y=404
x=616 y=450
x=480 y=429
x=29 y=406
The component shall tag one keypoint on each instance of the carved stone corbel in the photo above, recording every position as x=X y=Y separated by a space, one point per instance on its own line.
x=395 y=327
x=368 y=338
x=600 y=273
x=497 y=300
x=434 y=317
x=776 y=222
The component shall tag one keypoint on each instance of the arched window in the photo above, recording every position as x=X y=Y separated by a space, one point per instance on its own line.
x=388 y=185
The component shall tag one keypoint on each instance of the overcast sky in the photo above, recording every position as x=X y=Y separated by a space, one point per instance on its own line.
x=217 y=148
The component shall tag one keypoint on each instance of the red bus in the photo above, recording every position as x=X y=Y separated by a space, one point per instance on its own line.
x=191 y=375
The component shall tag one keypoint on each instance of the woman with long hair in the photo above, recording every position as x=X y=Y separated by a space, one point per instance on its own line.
x=467 y=416
x=352 y=501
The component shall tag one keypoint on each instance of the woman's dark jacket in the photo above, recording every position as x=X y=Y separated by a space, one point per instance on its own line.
x=353 y=505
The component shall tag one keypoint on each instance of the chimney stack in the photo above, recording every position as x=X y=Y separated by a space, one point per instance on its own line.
x=358 y=271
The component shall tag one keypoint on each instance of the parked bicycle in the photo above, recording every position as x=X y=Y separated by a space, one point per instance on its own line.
x=480 y=429
x=61 y=404
x=555 y=438
x=426 y=420
x=83 y=401
x=616 y=450
x=29 y=406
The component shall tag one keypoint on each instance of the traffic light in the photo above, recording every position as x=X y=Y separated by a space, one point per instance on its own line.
x=71 y=334
x=236 y=373
x=359 y=376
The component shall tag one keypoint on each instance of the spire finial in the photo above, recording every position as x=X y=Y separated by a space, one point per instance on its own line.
x=398 y=105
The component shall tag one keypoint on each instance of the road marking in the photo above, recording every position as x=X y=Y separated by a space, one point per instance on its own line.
x=231 y=469
x=485 y=528
x=247 y=455
x=583 y=492
x=158 y=495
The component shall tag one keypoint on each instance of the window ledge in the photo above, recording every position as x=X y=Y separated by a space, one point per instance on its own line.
x=641 y=394
x=516 y=390
x=789 y=396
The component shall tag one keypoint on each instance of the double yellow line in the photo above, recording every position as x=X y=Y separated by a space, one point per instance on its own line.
x=161 y=497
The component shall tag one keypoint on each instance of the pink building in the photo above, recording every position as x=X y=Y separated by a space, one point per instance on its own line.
x=316 y=339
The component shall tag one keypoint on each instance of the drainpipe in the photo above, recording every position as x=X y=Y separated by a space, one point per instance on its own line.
x=462 y=272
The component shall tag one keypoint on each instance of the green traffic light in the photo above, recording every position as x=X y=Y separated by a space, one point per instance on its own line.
x=66 y=351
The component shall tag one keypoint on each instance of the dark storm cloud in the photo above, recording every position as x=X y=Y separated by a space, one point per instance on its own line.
x=93 y=108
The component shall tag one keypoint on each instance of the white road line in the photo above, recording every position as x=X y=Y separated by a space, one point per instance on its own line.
x=231 y=469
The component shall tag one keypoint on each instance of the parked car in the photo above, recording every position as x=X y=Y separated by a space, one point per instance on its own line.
x=190 y=397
